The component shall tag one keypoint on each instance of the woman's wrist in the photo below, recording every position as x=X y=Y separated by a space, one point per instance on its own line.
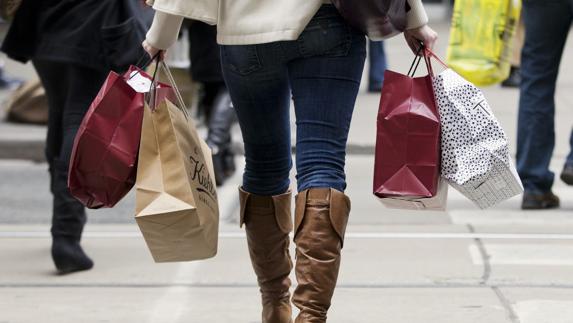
x=164 y=30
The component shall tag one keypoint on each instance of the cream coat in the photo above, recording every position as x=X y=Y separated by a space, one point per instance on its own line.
x=241 y=22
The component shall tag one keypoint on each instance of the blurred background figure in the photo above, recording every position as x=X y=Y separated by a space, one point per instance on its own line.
x=514 y=78
x=547 y=25
x=378 y=65
x=214 y=101
x=73 y=45
x=7 y=82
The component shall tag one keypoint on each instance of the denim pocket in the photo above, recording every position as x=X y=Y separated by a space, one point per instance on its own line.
x=326 y=36
x=241 y=59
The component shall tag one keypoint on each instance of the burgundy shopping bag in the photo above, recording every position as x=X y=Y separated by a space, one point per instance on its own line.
x=407 y=160
x=104 y=157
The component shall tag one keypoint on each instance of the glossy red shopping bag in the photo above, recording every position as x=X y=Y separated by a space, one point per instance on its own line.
x=103 y=164
x=407 y=160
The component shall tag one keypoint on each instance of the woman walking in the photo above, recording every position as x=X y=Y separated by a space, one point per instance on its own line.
x=270 y=51
x=73 y=45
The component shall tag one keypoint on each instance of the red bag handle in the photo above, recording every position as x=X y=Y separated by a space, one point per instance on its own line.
x=429 y=54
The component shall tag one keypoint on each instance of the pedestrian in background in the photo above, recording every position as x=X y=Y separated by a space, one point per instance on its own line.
x=378 y=65
x=514 y=78
x=215 y=102
x=547 y=25
x=72 y=45
x=271 y=51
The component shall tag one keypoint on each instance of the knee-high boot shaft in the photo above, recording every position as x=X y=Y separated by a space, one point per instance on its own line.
x=268 y=222
x=321 y=216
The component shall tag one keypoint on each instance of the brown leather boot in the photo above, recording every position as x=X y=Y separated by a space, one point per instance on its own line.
x=321 y=215
x=268 y=223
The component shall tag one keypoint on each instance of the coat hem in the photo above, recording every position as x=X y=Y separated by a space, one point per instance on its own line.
x=259 y=38
x=195 y=15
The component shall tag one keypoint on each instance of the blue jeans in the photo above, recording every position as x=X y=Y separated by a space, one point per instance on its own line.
x=377 y=65
x=547 y=23
x=322 y=71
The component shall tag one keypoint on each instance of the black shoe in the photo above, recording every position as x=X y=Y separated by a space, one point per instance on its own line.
x=69 y=256
x=9 y=83
x=539 y=201
x=567 y=174
x=514 y=78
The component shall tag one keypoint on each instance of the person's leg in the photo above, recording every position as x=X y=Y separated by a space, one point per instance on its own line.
x=257 y=80
x=70 y=91
x=569 y=160
x=69 y=219
x=205 y=64
x=377 y=66
x=260 y=93
x=514 y=78
x=567 y=173
x=56 y=94
x=68 y=216
x=325 y=82
x=325 y=85
x=546 y=26
x=207 y=96
x=219 y=136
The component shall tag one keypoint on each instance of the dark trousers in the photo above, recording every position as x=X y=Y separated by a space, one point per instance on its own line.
x=377 y=65
x=547 y=24
x=70 y=90
x=322 y=72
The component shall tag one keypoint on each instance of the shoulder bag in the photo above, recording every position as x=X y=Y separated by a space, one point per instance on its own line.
x=378 y=19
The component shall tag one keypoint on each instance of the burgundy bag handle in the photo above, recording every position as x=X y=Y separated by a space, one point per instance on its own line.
x=431 y=54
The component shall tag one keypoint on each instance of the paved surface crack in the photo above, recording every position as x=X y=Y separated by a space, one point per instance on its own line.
x=506 y=305
x=484 y=255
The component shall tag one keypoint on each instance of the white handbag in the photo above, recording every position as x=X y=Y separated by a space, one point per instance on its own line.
x=476 y=158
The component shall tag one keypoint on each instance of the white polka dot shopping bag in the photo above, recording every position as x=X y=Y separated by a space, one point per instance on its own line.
x=476 y=158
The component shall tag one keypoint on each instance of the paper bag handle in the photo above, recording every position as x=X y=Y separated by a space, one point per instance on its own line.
x=163 y=66
x=171 y=80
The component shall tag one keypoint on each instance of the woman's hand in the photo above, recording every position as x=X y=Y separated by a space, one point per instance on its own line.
x=423 y=34
x=152 y=51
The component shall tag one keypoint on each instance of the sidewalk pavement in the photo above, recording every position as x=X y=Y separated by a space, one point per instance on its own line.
x=465 y=265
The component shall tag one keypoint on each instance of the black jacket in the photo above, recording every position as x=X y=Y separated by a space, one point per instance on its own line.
x=204 y=52
x=102 y=34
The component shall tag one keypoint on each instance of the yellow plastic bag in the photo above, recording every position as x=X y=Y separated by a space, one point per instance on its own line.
x=481 y=39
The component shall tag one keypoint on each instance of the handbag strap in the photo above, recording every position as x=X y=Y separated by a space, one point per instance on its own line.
x=144 y=66
x=415 y=63
x=422 y=53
